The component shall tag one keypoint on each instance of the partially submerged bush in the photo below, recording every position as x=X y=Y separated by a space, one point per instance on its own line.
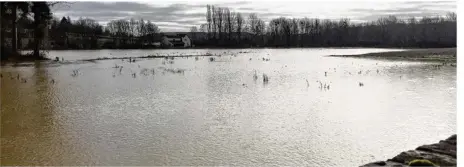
x=255 y=76
x=421 y=162
x=265 y=78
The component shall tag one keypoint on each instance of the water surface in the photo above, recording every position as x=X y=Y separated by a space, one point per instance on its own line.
x=215 y=113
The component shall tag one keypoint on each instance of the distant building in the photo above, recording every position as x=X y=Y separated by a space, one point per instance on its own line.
x=25 y=39
x=176 y=40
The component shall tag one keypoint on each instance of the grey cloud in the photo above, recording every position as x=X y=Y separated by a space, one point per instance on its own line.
x=437 y=6
x=398 y=10
x=413 y=6
x=414 y=9
x=175 y=13
x=409 y=9
x=428 y=2
x=175 y=18
x=245 y=8
x=432 y=4
x=107 y=14
x=179 y=18
x=236 y=3
x=184 y=22
x=253 y=9
x=400 y=16
x=133 y=6
x=104 y=12
x=104 y=6
x=266 y=15
x=170 y=25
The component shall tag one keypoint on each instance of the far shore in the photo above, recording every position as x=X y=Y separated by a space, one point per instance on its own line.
x=447 y=55
x=430 y=54
x=243 y=47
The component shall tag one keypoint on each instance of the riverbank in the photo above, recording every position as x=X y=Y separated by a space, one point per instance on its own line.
x=147 y=57
x=431 y=54
x=446 y=55
x=235 y=47
x=23 y=58
x=60 y=60
x=442 y=153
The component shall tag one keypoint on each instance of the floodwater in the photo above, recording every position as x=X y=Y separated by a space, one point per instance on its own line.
x=191 y=111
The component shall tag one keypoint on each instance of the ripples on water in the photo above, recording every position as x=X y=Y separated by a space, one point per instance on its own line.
x=216 y=113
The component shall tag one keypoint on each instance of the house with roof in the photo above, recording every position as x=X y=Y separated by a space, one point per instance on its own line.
x=172 y=39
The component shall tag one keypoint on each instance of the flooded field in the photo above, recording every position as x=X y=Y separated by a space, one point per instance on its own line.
x=312 y=110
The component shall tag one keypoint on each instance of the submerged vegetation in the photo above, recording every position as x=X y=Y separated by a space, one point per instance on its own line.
x=326 y=75
x=265 y=78
x=441 y=54
x=167 y=57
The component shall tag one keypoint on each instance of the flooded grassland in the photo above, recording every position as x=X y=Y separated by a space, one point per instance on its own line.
x=231 y=107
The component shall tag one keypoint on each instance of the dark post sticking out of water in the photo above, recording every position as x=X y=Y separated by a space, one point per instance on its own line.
x=442 y=153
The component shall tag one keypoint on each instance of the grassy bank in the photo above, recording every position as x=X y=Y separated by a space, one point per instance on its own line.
x=433 y=54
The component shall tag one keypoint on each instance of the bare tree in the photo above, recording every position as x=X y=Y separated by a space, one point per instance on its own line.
x=252 y=22
x=255 y=26
x=142 y=30
x=451 y=16
x=228 y=20
x=219 y=15
x=214 y=19
x=204 y=28
x=208 y=19
x=239 y=20
x=193 y=32
x=151 y=31
x=386 y=31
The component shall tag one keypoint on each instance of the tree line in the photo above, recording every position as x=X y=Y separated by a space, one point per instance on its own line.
x=121 y=33
x=227 y=28
x=223 y=28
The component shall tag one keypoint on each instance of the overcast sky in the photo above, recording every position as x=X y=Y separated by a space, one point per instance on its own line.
x=176 y=15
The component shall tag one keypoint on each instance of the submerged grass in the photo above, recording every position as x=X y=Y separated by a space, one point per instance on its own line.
x=171 y=57
x=434 y=54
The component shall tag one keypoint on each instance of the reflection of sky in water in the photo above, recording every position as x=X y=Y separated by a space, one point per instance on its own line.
x=216 y=114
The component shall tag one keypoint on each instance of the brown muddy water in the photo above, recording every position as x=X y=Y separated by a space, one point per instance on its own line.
x=190 y=111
